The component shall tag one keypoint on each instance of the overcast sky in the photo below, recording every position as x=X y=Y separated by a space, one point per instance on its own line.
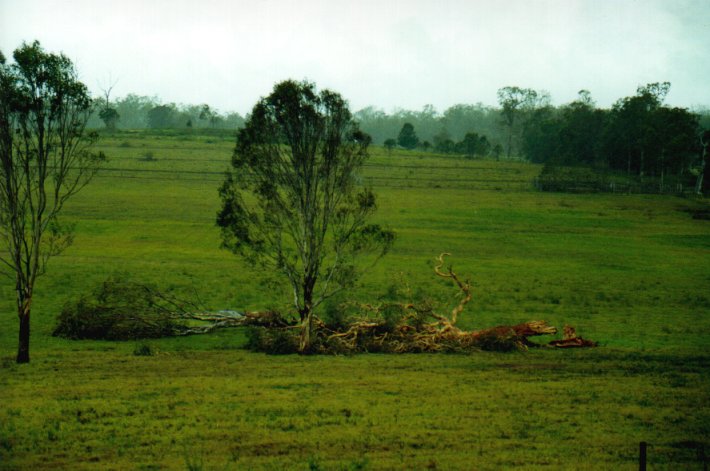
x=386 y=53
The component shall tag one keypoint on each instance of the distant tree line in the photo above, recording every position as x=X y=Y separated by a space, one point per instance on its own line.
x=139 y=112
x=429 y=130
x=638 y=136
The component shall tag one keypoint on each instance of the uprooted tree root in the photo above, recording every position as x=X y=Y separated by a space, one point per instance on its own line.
x=419 y=329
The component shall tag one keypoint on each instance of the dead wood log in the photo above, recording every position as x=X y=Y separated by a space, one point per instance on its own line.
x=522 y=331
x=570 y=340
x=465 y=287
x=413 y=334
x=219 y=320
x=417 y=329
x=507 y=337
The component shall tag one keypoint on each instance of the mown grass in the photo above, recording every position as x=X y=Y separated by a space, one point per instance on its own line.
x=632 y=272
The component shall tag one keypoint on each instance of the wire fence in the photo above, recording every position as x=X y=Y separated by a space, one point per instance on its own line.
x=426 y=181
x=462 y=175
x=375 y=175
x=650 y=187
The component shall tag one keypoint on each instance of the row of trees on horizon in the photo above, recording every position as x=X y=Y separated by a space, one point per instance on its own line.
x=143 y=112
x=638 y=134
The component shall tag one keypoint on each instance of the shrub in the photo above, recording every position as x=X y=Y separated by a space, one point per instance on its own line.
x=118 y=310
x=143 y=350
x=337 y=313
x=392 y=315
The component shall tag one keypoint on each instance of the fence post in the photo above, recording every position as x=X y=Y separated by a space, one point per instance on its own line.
x=642 y=456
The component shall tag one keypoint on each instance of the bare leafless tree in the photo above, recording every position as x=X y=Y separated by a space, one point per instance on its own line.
x=108 y=114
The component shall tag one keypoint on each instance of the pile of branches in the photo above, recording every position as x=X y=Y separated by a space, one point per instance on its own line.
x=416 y=328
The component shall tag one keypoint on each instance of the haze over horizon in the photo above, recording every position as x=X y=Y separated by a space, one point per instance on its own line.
x=394 y=54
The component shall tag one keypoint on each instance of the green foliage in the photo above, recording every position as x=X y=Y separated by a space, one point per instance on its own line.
x=134 y=110
x=497 y=151
x=210 y=116
x=456 y=120
x=163 y=117
x=638 y=135
x=390 y=144
x=143 y=350
x=292 y=203
x=392 y=315
x=407 y=137
x=443 y=142
x=118 y=310
x=110 y=117
x=516 y=105
x=474 y=145
x=143 y=112
x=336 y=313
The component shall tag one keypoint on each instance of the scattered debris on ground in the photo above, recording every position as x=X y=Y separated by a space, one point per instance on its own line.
x=418 y=329
x=123 y=310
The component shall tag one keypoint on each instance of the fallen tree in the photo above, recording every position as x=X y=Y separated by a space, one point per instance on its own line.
x=121 y=310
x=417 y=329
x=118 y=309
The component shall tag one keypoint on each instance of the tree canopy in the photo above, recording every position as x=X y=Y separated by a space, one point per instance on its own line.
x=291 y=201
x=639 y=135
x=407 y=137
x=516 y=103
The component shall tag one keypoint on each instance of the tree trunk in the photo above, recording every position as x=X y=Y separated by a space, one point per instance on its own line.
x=306 y=314
x=23 y=350
x=306 y=330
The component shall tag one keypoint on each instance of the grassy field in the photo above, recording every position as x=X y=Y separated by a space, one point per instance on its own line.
x=630 y=271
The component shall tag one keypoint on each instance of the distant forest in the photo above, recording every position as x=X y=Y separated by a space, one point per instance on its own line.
x=638 y=135
x=141 y=112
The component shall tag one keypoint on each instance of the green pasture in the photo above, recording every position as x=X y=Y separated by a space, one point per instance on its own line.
x=630 y=271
